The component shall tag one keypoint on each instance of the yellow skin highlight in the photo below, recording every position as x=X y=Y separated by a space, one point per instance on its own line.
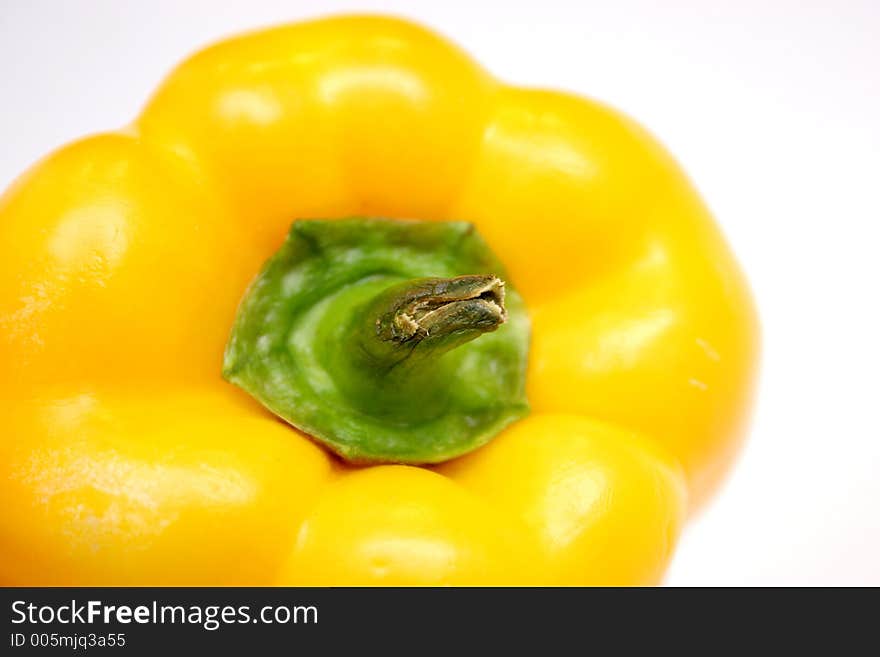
x=126 y=459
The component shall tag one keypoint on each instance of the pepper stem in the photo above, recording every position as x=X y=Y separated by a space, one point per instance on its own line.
x=341 y=337
x=423 y=318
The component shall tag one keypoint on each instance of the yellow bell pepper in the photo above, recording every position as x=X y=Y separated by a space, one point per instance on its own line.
x=126 y=459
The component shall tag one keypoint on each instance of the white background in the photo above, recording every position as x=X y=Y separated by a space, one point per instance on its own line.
x=773 y=108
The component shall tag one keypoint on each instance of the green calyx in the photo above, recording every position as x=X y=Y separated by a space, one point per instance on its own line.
x=362 y=334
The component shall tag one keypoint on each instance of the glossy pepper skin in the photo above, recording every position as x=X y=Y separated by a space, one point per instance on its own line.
x=125 y=459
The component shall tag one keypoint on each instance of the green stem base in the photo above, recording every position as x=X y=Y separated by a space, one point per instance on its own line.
x=363 y=334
